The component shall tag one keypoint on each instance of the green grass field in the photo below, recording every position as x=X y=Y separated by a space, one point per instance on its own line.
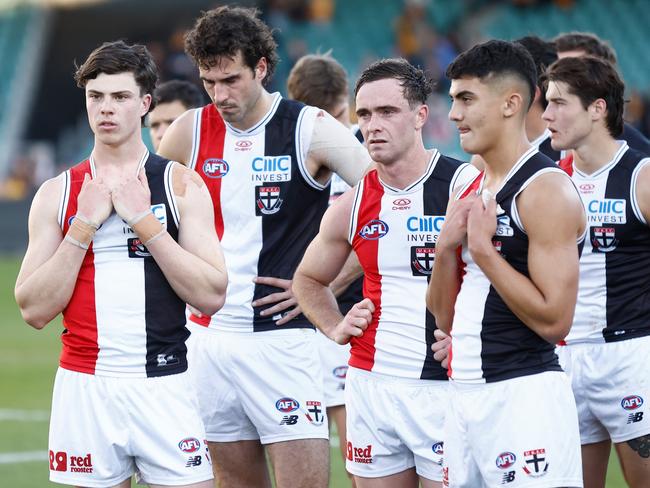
x=28 y=361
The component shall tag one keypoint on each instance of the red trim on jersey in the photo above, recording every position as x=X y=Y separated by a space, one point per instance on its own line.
x=80 y=348
x=472 y=187
x=566 y=164
x=362 y=353
x=211 y=142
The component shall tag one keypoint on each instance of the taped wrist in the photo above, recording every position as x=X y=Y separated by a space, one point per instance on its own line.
x=147 y=227
x=81 y=232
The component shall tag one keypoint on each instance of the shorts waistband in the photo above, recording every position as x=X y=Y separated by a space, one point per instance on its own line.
x=386 y=378
x=250 y=335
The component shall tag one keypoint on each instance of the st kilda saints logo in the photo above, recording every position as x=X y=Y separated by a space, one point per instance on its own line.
x=422 y=258
x=267 y=200
x=603 y=239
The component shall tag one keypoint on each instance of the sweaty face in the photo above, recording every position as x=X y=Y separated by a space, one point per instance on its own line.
x=388 y=124
x=115 y=107
x=233 y=88
x=161 y=117
x=476 y=111
x=568 y=121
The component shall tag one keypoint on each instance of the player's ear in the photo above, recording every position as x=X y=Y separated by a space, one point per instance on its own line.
x=261 y=69
x=598 y=109
x=421 y=116
x=146 y=103
x=513 y=104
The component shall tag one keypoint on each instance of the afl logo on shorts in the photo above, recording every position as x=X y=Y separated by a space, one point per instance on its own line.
x=189 y=444
x=438 y=448
x=373 y=230
x=340 y=372
x=286 y=405
x=506 y=460
x=215 y=168
x=631 y=402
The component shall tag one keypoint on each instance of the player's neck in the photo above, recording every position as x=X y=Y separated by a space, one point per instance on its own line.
x=119 y=156
x=406 y=170
x=535 y=125
x=260 y=108
x=501 y=157
x=595 y=151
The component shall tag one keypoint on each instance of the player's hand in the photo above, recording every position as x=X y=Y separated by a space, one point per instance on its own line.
x=455 y=228
x=355 y=322
x=94 y=202
x=132 y=197
x=283 y=299
x=440 y=348
x=481 y=226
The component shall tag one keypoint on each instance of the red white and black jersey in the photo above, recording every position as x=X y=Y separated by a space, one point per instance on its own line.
x=489 y=342
x=614 y=290
x=124 y=318
x=394 y=234
x=267 y=206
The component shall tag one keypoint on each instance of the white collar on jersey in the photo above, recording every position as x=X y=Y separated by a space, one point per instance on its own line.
x=261 y=123
x=409 y=188
x=617 y=157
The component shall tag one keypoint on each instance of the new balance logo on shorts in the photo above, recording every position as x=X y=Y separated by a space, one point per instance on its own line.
x=193 y=461
x=508 y=477
x=60 y=461
x=289 y=420
x=635 y=417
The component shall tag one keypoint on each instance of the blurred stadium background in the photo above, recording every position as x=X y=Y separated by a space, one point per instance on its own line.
x=43 y=127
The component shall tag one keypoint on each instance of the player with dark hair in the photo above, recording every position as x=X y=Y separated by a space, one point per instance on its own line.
x=119 y=244
x=267 y=163
x=607 y=351
x=172 y=98
x=395 y=390
x=577 y=44
x=504 y=286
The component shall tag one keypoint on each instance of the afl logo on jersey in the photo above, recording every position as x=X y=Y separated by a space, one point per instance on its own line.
x=190 y=444
x=373 y=230
x=286 y=405
x=215 y=168
x=631 y=402
x=505 y=460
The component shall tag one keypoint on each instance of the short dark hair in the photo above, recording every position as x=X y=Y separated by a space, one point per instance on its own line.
x=591 y=78
x=116 y=57
x=544 y=55
x=318 y=80
x=590 y=43
x=416 y=84
x=179 y=90
x=496 y=58
x=225 y=31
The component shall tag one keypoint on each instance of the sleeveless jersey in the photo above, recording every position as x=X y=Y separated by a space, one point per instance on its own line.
x=267 y=206
x=124 y=318
x=543 y=145
x=394 y=233
x=614 y=290
x=489 y=342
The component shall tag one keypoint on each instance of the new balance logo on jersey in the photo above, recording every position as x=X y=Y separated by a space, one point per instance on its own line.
x=361 y=455
x=289 y=420
x=536 y=464
x=215 y=168
x=60 y=461
x=603 y=239
x=633 y=418
x=193 y=461
x=267 y=200
x=508 y=477
x=422 y=260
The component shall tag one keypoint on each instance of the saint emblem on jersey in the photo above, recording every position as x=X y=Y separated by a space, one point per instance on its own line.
x=267 y=200
x=215 y=168
x=136 y=248
x=422 y=260
x=536 y=464
x=603 y=239
x=503 y=227
x=373 y=230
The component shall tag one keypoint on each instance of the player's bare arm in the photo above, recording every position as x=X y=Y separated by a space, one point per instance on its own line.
x=643 y=191
x=545 y=302
x=335 y=149
x=350 y=272
x=194 y=266
x=445 y=282
x=323 y=260
x=49 y=270
x=176 y=144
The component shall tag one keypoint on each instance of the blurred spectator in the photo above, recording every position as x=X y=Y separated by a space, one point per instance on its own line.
x=412 y=32
x=321 y=11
